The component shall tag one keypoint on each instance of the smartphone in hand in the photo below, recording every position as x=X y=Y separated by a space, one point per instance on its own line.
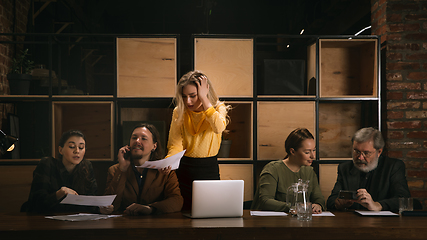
x=344 y=194
x=127 y=155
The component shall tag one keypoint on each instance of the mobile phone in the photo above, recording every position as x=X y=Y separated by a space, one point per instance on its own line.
x=127 y=155
x=344 y=194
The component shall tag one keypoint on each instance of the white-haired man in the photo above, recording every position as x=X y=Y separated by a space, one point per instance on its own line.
x=377 y=180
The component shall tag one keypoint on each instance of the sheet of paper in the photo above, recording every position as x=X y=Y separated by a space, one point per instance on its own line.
x=82 y=217
x=376 y=213
x=89 y=200
x=324 y=214
x=268 y=213
x=172 y=161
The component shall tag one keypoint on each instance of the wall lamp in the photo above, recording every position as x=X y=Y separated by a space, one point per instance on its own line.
x=7 y=143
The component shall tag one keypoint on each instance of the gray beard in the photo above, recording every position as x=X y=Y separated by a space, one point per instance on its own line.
x=369 y=167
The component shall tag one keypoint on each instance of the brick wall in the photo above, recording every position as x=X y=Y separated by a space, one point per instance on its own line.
x=13 y=19
x=402 y=26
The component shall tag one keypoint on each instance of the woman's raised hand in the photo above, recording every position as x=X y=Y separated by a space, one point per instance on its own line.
x=202 y=91
x=165 y=170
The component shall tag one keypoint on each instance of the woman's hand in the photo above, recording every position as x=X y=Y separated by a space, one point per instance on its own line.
x=64 y=191
x=123 y=163
x=165 y=170
x=202 y=92
x=316 y=208
x=138 y=209
x=106 y=209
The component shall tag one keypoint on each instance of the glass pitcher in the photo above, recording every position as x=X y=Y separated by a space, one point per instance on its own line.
x=297 y=193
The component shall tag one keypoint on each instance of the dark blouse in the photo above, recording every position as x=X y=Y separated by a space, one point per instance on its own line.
x=49 y=176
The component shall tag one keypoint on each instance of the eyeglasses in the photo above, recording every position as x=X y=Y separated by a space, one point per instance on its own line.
x=365 y=154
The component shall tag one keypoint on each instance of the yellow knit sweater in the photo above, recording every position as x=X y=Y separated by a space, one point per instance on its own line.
x=200 y=133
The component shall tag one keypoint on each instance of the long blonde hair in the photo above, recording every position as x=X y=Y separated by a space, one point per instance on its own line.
x=191 y=78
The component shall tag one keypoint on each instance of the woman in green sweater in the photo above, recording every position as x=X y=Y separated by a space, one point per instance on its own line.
x=278 y=175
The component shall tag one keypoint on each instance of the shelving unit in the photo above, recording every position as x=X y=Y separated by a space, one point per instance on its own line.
x=104 y=84
x=326 y=84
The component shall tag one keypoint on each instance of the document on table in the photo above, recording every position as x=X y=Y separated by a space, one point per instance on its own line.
x=268 y=213
x=324 y=214
x=172 y=161
x=377 y=213
x=89 y=200
x=272 y=213
x=82 y=217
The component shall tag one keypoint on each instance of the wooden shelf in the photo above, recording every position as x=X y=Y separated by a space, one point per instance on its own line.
x=146 y=67
x=240 y=130
x=338 y=122
x=94 y=119
x=348 y=67
x=228 y=63
x=276 y=120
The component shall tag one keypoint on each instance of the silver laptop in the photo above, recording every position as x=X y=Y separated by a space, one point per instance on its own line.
x=217 y=198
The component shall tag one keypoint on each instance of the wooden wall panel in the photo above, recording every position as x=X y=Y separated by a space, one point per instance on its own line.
x=94 y=119
x=276 y=120
x=337 y=124
x=15 y=185
x=327 y=178
x=239 y=172
x=228 y=63
x=146 y=67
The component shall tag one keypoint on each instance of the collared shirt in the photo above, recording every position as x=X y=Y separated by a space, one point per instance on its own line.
x=140 y=177
x=365 y=180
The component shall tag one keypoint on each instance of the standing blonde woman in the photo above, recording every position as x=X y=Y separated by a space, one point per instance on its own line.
x=198 y=121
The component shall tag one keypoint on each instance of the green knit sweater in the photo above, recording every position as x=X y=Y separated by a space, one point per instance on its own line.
x=274 y=181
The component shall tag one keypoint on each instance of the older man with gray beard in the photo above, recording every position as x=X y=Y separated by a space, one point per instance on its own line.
x=378 y=181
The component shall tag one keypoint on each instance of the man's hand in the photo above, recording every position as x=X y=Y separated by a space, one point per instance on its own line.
x=138 y=209
x=365 y=199
x=123 y=163
x=342 y=204
x=106 y=209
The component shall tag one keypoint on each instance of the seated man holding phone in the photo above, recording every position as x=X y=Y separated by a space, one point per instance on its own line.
x=143 y=191
x=371 y=181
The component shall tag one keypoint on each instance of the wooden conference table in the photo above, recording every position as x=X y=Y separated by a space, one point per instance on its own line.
x=345 y=225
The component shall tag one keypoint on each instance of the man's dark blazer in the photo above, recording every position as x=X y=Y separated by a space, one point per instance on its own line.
x=387 y=185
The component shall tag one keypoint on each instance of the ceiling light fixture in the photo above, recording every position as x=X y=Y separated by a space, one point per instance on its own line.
x=359 y=32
